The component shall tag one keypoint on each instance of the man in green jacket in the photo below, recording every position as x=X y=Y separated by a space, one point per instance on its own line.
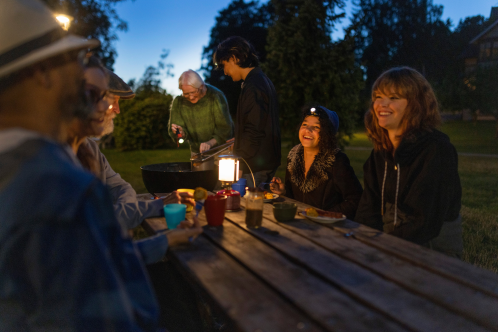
x=200 y=114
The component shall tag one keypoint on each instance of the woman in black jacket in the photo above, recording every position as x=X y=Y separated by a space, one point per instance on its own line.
x=412 y=188
x=318 y=173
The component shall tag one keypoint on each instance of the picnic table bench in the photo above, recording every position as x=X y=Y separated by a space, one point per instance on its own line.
x=305 y=276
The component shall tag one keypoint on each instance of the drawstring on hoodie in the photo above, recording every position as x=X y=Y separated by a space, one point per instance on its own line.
x=397 y=191
x=396 y=199
x=383 y=184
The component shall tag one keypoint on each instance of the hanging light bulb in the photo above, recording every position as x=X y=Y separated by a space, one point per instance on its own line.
x=64 y=20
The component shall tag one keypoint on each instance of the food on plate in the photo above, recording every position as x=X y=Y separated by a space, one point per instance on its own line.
x=329 y=214
x=200 y=194
x=268 y=195
x=311 y=212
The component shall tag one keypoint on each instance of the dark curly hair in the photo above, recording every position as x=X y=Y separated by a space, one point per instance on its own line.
x=328 y=139
x=236 y=46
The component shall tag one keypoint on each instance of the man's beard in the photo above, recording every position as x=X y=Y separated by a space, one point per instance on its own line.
x=108 y=128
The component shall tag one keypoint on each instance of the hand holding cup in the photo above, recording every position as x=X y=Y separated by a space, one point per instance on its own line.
x=186 y=232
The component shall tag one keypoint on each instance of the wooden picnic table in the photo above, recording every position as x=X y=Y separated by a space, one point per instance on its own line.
x=305 y=276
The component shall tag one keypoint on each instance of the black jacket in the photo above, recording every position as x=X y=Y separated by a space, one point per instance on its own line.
x=330 y=184
x=257 y=128
x=421 y=180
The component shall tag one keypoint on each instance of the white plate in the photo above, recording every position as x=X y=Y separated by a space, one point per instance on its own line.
x=275 y=196
x=323 y=220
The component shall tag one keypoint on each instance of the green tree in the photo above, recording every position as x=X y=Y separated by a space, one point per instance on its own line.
x=306 y=66
x=93 y=19
x=143 y=121
x=248 y=20
x=481 y=91
x=150 y=83
x=454 y=91
x=392 y=33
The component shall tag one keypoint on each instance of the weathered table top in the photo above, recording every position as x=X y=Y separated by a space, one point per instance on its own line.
x=305 y=276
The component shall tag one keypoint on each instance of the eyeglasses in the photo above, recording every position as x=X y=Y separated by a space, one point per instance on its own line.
x=188 y=94
x=82 y=58
x=94 y=94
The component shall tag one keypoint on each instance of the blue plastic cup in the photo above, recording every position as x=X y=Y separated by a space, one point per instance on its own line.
x=174 y=214
x=243 y=181
x=241 y=188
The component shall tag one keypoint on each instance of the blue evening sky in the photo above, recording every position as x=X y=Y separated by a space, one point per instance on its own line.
x=183 y=27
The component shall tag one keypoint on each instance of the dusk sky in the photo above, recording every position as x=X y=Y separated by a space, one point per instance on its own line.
x=183 y=28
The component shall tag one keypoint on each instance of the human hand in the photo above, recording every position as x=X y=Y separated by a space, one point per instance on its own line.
x=174 y=127
x=186 y=232
x=231 y=140
x=179 y=198
x=204 y=146
x=276 y=186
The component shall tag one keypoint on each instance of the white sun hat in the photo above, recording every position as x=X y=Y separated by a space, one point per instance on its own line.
x=29 y=33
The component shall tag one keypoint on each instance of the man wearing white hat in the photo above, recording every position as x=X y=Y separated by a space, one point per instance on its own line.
x=64 y=262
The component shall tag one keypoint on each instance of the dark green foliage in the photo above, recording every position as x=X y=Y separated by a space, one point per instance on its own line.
x=143 y=122
x=247 y=20
x=393 y=33
x=306 y=66
x=452 y=89
x=482 y=90
x=93 y=19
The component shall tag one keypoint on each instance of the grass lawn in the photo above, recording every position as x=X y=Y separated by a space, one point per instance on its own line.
x=465 y=136
x=479 y=177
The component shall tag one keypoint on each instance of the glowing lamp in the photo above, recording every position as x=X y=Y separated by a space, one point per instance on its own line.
x=228 y=168
x=64 y=20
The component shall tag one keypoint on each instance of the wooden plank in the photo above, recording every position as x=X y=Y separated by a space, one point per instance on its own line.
x=451 y=268
x=480 y=307
x=152 y=225
x=242 y=296
x=379 y=294
x=319 y=300
x=231 y=287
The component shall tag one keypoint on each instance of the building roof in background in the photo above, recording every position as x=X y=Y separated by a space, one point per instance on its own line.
x=492 y=16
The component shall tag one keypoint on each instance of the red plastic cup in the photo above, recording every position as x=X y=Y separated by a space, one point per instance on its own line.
x=215 y=206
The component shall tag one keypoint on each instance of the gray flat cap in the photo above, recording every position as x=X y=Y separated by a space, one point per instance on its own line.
x=118 y=87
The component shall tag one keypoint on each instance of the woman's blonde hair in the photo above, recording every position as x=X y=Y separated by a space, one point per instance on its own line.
x=422 y=111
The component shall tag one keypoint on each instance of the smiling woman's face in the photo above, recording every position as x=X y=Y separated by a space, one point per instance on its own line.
x=96 y=81
x=309 y=133
x=390 y=108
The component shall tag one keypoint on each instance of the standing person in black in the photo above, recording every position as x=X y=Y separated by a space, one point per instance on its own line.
x=257 y=128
